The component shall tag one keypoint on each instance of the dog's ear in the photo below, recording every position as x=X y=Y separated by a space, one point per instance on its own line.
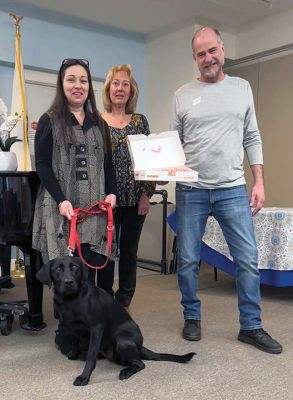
x=44 y=274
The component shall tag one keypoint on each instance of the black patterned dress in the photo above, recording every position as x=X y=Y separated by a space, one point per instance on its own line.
x=129 y=190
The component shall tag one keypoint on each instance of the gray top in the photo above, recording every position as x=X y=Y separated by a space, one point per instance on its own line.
x=216 y=123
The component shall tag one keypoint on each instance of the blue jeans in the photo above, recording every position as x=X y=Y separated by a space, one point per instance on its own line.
x=230 y=207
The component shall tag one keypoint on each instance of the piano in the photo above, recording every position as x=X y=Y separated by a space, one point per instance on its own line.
x=18 y=192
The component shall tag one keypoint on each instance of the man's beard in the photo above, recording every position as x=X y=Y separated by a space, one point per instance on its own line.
x=214 y=73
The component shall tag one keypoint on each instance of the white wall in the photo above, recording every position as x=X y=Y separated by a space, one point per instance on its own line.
x=168 y=66
x=46 y=44
x=266 y=34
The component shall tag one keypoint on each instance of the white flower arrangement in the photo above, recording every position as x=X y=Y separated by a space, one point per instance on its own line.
x=6 y=141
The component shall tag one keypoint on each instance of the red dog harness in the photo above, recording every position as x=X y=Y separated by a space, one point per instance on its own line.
x=74 y=237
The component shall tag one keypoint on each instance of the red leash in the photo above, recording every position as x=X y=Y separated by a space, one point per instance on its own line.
x=74 y=237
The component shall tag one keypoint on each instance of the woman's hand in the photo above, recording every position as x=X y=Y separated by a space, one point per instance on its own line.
x=143 y=205
x=111 y=198
x=66 y=209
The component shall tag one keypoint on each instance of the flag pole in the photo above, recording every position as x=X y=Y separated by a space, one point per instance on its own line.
x=19 y=68
x=18 y=273
x=16 y=20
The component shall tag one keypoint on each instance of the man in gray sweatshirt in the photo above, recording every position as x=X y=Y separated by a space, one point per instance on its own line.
x=216 y=121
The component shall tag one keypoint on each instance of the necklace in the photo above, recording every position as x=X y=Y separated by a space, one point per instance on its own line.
x=120 y=119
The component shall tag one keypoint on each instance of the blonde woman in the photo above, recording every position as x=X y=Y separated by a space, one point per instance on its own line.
x=120 y=97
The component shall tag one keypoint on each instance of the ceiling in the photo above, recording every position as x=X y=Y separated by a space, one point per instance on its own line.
x=145 y=17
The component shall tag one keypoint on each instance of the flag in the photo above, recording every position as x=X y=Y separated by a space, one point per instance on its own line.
x=18 y=105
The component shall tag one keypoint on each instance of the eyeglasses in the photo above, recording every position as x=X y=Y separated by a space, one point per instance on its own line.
x=75 y=61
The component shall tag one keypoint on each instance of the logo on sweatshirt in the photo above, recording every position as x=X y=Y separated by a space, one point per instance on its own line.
x=196 y=101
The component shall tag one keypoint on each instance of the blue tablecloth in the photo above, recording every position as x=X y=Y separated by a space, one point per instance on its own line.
x=273 y=277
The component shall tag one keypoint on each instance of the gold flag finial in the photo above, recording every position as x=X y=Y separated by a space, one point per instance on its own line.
x=16 y=20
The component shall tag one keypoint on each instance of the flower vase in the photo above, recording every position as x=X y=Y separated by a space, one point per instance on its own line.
x=8 y=161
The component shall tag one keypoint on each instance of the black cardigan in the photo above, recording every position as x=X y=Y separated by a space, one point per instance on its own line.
x=43 y=157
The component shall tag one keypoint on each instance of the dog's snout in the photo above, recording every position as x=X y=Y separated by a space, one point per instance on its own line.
x=68 y=282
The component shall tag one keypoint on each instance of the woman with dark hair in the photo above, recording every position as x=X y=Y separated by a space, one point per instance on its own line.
x=120 y=97
x=74 y=162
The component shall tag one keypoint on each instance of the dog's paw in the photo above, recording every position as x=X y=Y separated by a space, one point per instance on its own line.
x=81 y=381
x=135 y=367
x=125 y=374
x=82 y=356
x=72 y=355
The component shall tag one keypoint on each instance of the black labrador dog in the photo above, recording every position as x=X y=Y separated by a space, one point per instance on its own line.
x=95 y=323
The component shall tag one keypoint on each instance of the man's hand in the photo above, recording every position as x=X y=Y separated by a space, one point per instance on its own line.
x=257 y=197
x=143 y=205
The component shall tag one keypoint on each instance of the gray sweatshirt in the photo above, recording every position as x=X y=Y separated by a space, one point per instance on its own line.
x=216 y=123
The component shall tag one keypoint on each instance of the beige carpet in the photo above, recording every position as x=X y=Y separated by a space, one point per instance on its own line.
x=32 y=369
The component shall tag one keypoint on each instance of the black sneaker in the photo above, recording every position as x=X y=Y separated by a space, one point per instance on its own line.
x=191 y=330
x=261 y=339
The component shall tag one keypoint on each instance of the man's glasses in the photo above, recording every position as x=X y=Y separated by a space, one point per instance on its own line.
x=75 y=61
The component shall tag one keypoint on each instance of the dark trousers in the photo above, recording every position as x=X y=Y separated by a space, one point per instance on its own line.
x=128 y=226
x=104 y=277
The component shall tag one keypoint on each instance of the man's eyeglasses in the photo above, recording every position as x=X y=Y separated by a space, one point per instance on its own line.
x=75 y=61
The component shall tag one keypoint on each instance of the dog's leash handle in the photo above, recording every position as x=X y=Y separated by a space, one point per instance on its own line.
x=74 y=237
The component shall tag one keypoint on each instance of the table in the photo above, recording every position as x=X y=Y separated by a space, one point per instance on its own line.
x=274 y=236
